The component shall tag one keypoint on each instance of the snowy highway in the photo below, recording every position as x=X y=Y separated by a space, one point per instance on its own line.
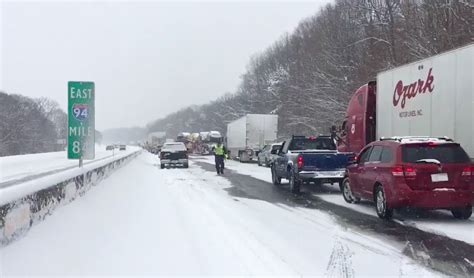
x=144 y=220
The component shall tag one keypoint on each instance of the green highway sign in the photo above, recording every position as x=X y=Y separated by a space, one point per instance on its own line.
x=81 y=120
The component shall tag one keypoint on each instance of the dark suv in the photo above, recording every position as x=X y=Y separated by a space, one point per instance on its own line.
x=430 y=173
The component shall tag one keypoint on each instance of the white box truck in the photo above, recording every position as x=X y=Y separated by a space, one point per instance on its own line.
x=249 y=134
x=432 y=97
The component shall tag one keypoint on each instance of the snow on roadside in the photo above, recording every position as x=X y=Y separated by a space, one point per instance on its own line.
x=20 y=166
x=439 y=222
x=29 y=203
x=146 y=221
x=20 y=190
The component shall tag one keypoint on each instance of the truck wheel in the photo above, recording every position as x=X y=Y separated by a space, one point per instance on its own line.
x=276 y=180
x=381 y=204
x=463 y=213
x=162 y=166
x=294 y=184
x=241 y=156
x=186 y=165
x=258 y=162
x=341 y=184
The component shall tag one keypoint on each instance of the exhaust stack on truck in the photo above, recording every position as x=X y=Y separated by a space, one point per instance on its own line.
x=248 y=135
x=433 y=97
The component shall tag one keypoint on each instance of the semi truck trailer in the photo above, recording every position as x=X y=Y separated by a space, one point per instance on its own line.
x=248 y=135
x=433 y=97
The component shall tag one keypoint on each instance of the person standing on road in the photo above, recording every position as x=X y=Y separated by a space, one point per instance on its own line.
x=219 y=155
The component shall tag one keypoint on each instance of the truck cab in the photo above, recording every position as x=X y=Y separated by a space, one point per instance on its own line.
x=358 y=127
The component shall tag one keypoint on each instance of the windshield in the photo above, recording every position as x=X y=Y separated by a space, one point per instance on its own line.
x=320 y=143
x=444 y=153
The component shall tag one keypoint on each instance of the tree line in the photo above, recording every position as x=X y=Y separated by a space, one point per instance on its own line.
x=308 y=76
x=30 y=125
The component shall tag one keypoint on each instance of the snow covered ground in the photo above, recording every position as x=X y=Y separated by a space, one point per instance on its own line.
x=439 y=222
x=146 y=221
x=18 y=167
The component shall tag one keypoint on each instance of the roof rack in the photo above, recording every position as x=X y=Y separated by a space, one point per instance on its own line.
x=416 y=138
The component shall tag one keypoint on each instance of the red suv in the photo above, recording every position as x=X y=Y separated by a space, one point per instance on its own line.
x=430 y=173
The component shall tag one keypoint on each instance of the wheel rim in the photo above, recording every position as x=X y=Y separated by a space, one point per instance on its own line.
x=380 y=202
x=347 y=191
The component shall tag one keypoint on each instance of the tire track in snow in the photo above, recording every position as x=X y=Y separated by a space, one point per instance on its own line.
x=437 y=252
x=340 y=262
x=237 y=237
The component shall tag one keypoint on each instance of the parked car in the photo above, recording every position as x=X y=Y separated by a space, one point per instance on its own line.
x=309 y=159
x=174 y=154
x=265 y=156
x=122 y=147
x=110 y=148
x=430 y=173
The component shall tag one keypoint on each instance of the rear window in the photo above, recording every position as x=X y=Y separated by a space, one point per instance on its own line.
x=174 y=147
x=301 y=144
x=448 y=153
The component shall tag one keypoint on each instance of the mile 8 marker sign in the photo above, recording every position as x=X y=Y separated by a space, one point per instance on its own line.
x=81 y=120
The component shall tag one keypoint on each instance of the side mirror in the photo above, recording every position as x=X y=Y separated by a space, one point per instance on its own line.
x=274 y=152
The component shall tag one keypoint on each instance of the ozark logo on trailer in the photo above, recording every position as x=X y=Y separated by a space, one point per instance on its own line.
x=79 y=111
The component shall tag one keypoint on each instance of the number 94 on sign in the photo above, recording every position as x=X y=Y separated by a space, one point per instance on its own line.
x=79 y=111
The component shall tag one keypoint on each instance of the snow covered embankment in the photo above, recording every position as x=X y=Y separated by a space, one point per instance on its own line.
x=23 y=205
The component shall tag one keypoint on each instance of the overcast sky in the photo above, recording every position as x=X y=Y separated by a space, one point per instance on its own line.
x=147 y=59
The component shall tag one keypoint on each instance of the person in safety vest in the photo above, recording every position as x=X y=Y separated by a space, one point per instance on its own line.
x=220 y=153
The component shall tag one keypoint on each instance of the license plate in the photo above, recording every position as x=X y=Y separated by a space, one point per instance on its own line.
x=333 y=174
x=439 y=177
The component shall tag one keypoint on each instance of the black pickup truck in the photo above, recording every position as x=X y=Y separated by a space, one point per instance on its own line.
x=309 y=159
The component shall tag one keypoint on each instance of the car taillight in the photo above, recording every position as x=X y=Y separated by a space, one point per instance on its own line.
x=468 y=172
x=406 y=171
x=299 y=161
x=409 y=172
x=397 y=171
